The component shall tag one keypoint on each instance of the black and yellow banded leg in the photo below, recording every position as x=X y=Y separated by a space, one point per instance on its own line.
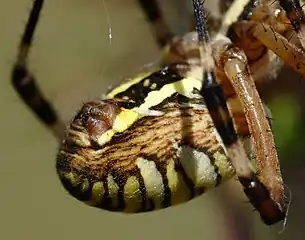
x=154 y=15
x=265 y=189
x=268 y=200
x=24 y=82
x=275 y=34
x=258 y=194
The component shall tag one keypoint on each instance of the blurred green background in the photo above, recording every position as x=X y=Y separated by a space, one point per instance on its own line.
x=74 y=61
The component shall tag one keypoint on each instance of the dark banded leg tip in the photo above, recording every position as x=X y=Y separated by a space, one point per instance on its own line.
x=270 y=211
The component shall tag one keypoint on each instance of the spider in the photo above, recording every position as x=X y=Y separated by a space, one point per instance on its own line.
x=165 y=137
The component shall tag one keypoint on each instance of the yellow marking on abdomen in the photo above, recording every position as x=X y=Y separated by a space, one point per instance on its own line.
x=123 y=87
x=152 y=180
x=113 y=191
x=71 y=178
x=179 y=191
x=184 y=87
x=225 y=168
x=122 y=121
x=198 y=167
x=98 y=192
x=132 y=195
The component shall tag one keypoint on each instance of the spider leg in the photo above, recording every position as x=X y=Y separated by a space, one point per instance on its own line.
x=233 y=62
x=289 y=52
x=267 y=28
x=265 y=196
x=24 y=82
x=296 y=16
x=159 y=26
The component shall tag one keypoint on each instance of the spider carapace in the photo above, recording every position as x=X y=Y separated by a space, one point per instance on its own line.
x=166 y=136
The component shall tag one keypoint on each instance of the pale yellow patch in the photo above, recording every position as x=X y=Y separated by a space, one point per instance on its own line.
x=198 y=167
x=183 y=87
x=234 y=105
x=132 y=195
x=105 y=137
x=122 y=121
x=71 y=178
x=146 y=83
x=97 y=195
x=153 y=86
x=152 y=180
x=179 y=190
x=225 y=167
x=113 y=191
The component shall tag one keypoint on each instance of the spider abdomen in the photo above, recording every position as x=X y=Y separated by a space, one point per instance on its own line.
x=157 y=162
x=139 y=152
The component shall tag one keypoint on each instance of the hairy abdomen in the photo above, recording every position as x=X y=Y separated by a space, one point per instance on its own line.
x=157 y=162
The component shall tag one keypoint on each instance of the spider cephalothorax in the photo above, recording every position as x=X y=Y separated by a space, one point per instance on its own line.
x=167 y=136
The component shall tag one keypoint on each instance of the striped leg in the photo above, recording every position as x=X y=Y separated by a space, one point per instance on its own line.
x=266 y=197
x=154 y=15
x=266 y=190
x=24 y=83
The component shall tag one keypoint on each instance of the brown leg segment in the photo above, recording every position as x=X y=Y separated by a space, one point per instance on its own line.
x=265 y=190
x=291 y=54
x=24 y=83
x=265 y=196
x=270 y=29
